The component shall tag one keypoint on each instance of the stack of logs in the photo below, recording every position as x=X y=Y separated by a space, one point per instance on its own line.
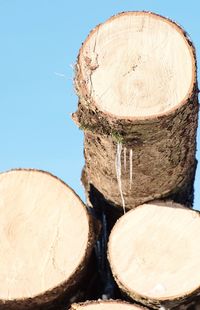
x=136 y=80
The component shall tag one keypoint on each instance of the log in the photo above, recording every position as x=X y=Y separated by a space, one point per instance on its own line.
x=138 y=103
x=105 y=305
x=46 y=237
x=154 y=254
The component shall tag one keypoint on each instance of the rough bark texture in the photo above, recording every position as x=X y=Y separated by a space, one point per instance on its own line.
x=163 y=149
x=73 y=289
x=163 y=160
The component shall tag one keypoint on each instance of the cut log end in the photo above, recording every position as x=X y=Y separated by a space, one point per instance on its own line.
x=45 y=234
x=105 y=305
x=154 y=253
x=136 y=65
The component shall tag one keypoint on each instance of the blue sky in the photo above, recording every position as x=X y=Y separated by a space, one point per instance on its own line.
x=40 y=40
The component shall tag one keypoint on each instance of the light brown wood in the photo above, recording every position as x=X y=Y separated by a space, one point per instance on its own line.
x=154 y=254
x=45 y=236
x=105 y=305
x=137 y=65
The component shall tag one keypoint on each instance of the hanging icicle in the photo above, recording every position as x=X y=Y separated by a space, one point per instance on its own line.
x=125 y=159
x=130 y=168
x=119 y=172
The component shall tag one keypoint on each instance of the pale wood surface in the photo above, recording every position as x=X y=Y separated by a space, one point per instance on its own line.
x=44 y=231
x=154 y=251
x=105 y=305
x=137 y=65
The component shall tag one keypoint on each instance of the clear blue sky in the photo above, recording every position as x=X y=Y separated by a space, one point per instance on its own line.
x=40 y=40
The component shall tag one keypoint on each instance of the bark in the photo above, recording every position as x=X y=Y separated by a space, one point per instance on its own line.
x=163 y=160
x=73 y=288
x=156 y=154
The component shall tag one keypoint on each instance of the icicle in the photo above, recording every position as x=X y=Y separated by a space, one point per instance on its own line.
x=119 y=172
x=125 y=159
x=131 y=167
